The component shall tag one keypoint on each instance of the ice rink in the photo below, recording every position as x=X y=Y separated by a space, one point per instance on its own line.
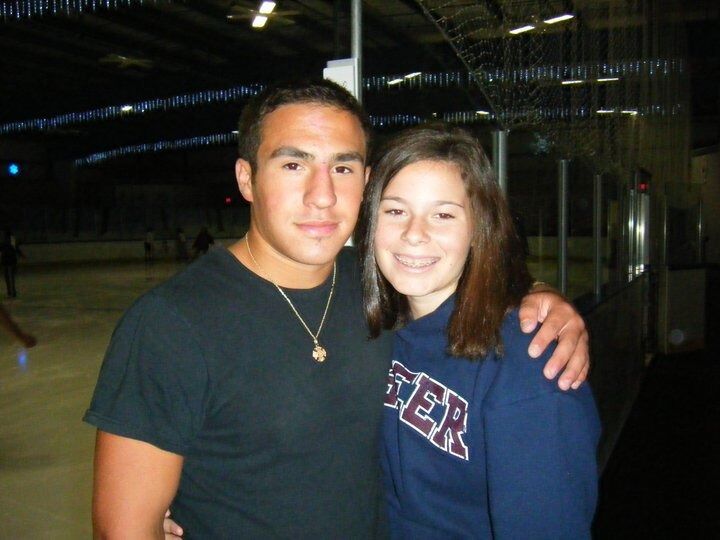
x=45 y=448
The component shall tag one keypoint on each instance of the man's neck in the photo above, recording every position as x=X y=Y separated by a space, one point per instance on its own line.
x=261 y=259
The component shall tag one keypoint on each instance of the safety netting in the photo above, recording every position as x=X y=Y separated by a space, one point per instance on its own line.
x=602 y=81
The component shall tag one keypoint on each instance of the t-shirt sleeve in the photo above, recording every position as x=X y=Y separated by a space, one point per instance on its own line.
x=541 y=465
x=153 y=380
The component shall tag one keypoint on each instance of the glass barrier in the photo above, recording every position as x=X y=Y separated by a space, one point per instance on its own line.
x=683 y=230
x=532 y=193
x=580 y=234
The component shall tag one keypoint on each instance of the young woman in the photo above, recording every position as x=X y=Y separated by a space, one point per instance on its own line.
x=476 y=442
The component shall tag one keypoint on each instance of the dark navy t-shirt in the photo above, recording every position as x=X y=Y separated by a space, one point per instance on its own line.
x=214 y=366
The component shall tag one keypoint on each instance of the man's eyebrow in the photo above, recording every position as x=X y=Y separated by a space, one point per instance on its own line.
x=295 y=152
x=349 y=156
x=291 y=151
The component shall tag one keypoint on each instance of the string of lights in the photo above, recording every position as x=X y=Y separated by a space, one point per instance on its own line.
x=160 y=146
x=378 y=122
x=587 y=72
x=206 y=97
x=603 y=73
x=24 y=9
x=558 y=114
x=215 y=140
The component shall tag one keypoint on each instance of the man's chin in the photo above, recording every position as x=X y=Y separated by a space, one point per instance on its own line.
x=314 y=251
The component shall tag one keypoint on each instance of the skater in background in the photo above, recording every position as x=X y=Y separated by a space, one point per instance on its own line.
x=202 y=243
x=12 y=328
x=149 y=246
x=9 y=253
x=181 y=251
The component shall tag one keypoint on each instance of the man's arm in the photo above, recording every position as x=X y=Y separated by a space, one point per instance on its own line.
x=135 y=482
x=561 y=322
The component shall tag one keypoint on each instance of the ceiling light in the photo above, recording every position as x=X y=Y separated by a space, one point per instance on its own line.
x=605 y=111
x=522 y=29
x=259 y=21
x=573 y=81
x=413 y=74
x=482 y=113
x=608 y=79
x=126 y=108
x=629 y=111
x=563 y=17
x=266 y=8
x=395 y=81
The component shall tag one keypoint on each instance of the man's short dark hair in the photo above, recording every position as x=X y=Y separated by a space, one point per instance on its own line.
x=320 y=92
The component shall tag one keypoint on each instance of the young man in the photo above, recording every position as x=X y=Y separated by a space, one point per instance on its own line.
x=244 y=391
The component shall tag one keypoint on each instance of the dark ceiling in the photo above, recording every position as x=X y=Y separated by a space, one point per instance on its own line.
x=65 y=62
x=54 y=64
x=58 y=63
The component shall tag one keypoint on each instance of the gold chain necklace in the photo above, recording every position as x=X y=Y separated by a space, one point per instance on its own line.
x=319 y=352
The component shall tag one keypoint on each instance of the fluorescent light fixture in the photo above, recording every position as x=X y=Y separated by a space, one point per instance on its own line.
x=629 y=111
x=235 y=132
x=522 y=29
x=573 y=81
x=608 y=79
x=482 y=113
x=126 y=108
x=559 y=18
x=413 y=74
x=395 y=81
x=259 y=21
x=605 y=111
x=266 y=8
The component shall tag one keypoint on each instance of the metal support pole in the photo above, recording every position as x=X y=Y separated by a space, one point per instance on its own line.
x=701 y=233
x=597 y=235
x=633 y=228
x=562 y=237
x=357 y=42
x=500 y=151
x=337 y=29
x=664 y=240
x=541 y=241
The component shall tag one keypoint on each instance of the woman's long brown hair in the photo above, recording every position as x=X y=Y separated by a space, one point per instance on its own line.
x=495 y=277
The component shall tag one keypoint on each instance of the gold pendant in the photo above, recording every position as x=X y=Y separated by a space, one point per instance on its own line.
x=319 y=354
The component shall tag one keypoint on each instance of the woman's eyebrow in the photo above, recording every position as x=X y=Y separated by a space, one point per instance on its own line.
x=435 y=203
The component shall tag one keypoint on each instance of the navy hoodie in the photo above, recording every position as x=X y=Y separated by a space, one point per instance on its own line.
x=486 y=448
